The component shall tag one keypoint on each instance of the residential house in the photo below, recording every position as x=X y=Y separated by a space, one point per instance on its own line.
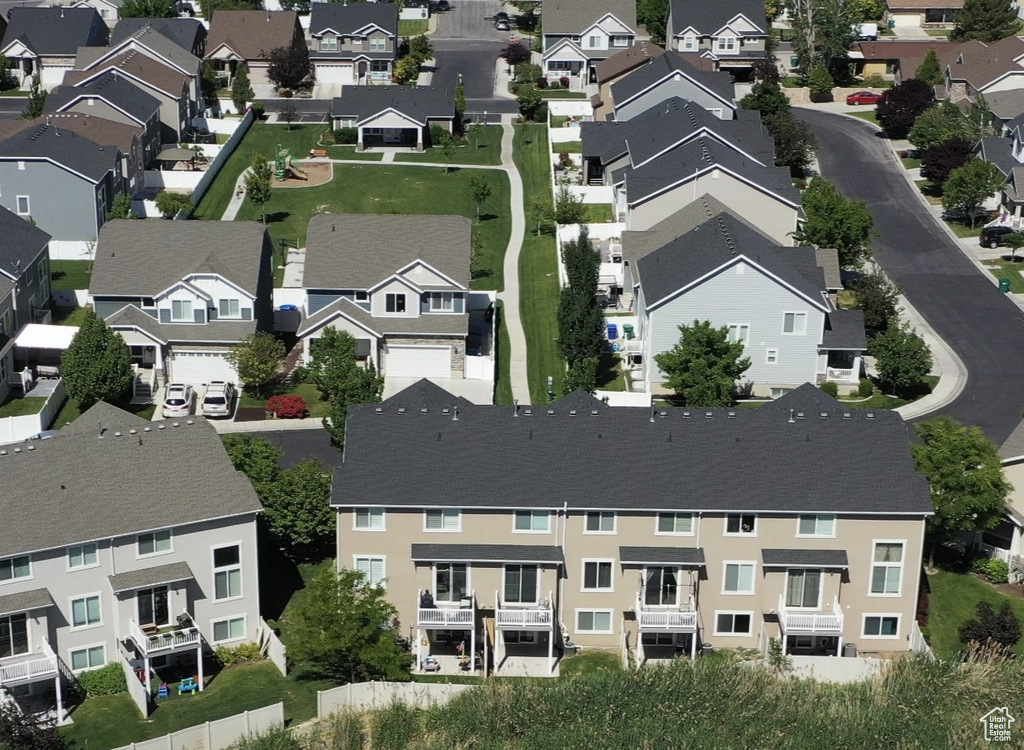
x=1005 y=108
x=896 y=59
x=666 y=76
x=393 y=115
x=24 y=287
x=732 y=34
x=934 y=14
x=705 y=264
x=353 y=44
x=580 y=33
x=246 y=36
x=182 y=294
x=109 y=10
x=973 y=68
x=548 y=558
x=187 y=33
x=115 y=98
x=1004 y=540
x=614 y=68
x=44 y=41
x=405 y=301
x=95 y=571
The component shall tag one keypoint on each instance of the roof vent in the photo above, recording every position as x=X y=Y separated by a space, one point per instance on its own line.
x=133 y=432
x=117 y=433
x=593 y=412
x=147 y=429
x=572 y=412
x=551 y=412
x=175 y=424
x=846 y=415
x=731 y=414
x=17 y=450
x=162 y=427
x=401 y=410
x=708 y=414
x=686 y=414
x=31 y=448
x=662 y=413
x=799 y=415
x=190 y=421
x=528 y=411
x=823 y=415
x=870 y=415
x=446 y=410
x=3 y=453
x=378 y=410
x=423 y=410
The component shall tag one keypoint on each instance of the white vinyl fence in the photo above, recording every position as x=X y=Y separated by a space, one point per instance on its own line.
x=272 y=647
x=218 y=163
x=370 y=695
x=136 y=690
x=216 y=735
x=917 y=642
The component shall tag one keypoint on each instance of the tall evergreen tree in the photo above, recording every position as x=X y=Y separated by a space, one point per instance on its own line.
x=241 y=90
x=580 y=319
x=929 y=70
x=985 y=21
x=97 y=366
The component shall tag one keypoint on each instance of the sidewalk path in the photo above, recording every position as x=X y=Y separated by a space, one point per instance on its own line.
x=237 y=198
x=224 y=426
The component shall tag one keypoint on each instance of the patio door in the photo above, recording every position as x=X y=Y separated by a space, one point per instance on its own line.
x=661 y=587
x=520 y=584
x=450 y=582
x=153 y=608
x=803 y=588
x=13 y=635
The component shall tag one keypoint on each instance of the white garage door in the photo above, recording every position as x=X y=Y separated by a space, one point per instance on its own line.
x=334 y=73
x=905 y=19
x=200 y=367
x=53 y=76
x=418 y=362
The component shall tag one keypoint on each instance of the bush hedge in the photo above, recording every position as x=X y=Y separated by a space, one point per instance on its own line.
x=830 y=388
x=994 y=570
x=243 y=653
x=346 y=136
x=108 y=680
x=288 y=406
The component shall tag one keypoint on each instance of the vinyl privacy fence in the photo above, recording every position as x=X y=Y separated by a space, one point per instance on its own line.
x=217 y=735
x=363 y=696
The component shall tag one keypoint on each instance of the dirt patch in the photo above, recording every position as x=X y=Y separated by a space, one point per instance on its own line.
x=250 y=414
x=318 y=173
x=1009 y=589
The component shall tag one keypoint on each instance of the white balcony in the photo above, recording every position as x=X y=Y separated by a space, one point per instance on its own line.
x=510 y=616
x=166 y=642
x=809 y=622
x=455 y=616
x=21 y=670
x=840 y=375
x=662 y=620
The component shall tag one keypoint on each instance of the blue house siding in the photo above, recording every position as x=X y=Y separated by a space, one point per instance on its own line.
x=62 y=205
x=107 y=306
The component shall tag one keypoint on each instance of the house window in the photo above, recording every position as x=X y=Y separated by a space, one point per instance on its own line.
x=594 y=621
x=658 y=639
x=394 y=303
x=600 y=522
x=154 y=543
x=152 y=605
x=13 y=635
x=88 y=658
x=803 y=588
x=519 y=636
x=228 y=630
x=443 y=519
x=620 y=41
x=521 y=584
x=594 y=42
x=817 y=525
x=887 y=568
x=14 y=568
x=347 y=122
x=689 y=43
x=739 y=332
x=661 y=587
x=537 y=521
x=794 y=323
x=5 y=323
x=329 y=43
x=378 y=44
x=380 y=66
x=739 y=578
x=23 y=207
x=83 y=556
x=741 y=524
x=733 y=623
x=597 y=575
x=725 y=44
x=372 y=569
x=181 y=310
x=85 y=611
x=360 y=295
x=778 y=392
x=675 y=523
x=229 y=308
x=771 y=357
x=451 y=582
x=227 y=572
x=881 y=626
x=441 y=302
x=369 y=519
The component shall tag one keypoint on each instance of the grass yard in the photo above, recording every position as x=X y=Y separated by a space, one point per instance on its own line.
x=599 y=213
x=562 y=94
x=964 y=228
x=910 y=162
x=931 y=193
x=589 y=663
x=412 y=27
x=72 y=410
x=567 y=147
x=610 y=376
x=954 y=599
x=1004 y=268
x=68 y=275
x=69 y=316
x=538 y=270
x=503 y=388
x=882 y=401
x=314 y=401
x=484 y=149
x=17 y=406
x=868 y=116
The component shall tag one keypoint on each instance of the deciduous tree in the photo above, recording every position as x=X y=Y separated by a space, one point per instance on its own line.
x=1000 y=630
x=241 y=90
x=147 y=9
x=121 y=208
x=653 y=14
x=36 y=100
x=945 y=122
x=878 y=299
x=515 y=53
x=97 y=366
x=479 y=192
x=768 y=98
x=170 y=203
x=257 y=183
x=20 y=731
x=929 y=71
x=985 y=21
x=835 y=221
x=407 y=70
x=795 y=142
x=288 y=66
x=421 y=48
x=334 y=368
x=256 y=359
x=540 y=212
x=254 y=456
x=297 y=510
x=288 y=113
x=901 y=357
x=969 y=186
x=581 y=376
x=939 y=161
x=529 y=100
x=702 y=369
x=820 y=83
x=900 y=106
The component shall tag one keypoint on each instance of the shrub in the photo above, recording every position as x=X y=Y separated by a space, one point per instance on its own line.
x=527 y=72
x=994 y=570
x=301 y=374
x=541 y=113
x=874 y=81
x=257 y=110
x=564 y=160
x=555 y=85
x=564 y=80
x=285 y=93
x=542 y=82
x=346 y=136
x=108 y=680
x=922 y=608
x=866 y=388
x=238 y=654
x=288 y=406
x=830 y=388
x=438 y=134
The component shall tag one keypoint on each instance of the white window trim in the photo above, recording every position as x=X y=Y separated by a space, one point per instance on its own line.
x=739 y=330
x=657 y=518
x=821 y=588
x=601 y=513
x=595 y=610
x=383 y=519
x=835 y=522
x=643 y=586
x=191 y=311
x=227 y=568
x=753 y=577
x=222 y=316
x=864 y=623
x=469 y=586
x=902 y=565
x=798 y=315
x=530 y=531
x=583 y=575
x=87 y=647
x=720 y=47
x=245 y=627
x=442 y=530
x=384 y=567
x=733 y=612
x=75 y=568
x=771 y=357
x=15 y=579
x=28 y=204
x=139 y=555
x=725 y=525
x=438 y=297
x=71 y=610
x=688 y=43
x=396 y=295
x=536 y=590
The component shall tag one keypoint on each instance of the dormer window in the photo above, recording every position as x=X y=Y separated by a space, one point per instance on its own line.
x=181 y=311
x=329 y=43
x=620 y=41
x=394 y=303
x=378 y=44
x=229 y=308
x=689 y=43
x=725 y=44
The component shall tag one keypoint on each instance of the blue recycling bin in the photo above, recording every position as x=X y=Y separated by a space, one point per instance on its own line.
x=613 y=331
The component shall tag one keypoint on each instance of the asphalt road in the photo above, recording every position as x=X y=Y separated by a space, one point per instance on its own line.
x=299 y=445
x=469 y=19
x=12 y=107
x=966 y=309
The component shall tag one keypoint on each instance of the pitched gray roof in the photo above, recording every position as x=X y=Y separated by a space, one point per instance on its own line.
x=20 y=243
x=1005 y=105
x=717 y=242
x=217 y=331
x=79 y=488
x=158 y=576
x=416 y=102
x=817 y=558
x=145 y=257
x=576 y=16
x=182 y=57
x=69 y=149
x=185 y=32
x=134 y=317
x=659 y=68
x=806 y=400
x=357 y=251
x=104 y=417
x=689 y=556
x=454 y=324
x=117 y=91
x=55 y=31
x=427 y=393
x=1013 y=447
x=998 y=151
x=707 y=18
x=348 y=19
x=531 y=553
x=827 y=259
x=542 y=460
x=844 y=329
x=24 y=601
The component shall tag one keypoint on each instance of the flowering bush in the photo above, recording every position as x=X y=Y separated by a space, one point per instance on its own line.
x=287 y=407
x=564 y=80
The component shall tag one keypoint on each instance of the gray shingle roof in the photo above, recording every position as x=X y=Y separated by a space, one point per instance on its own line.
x=1013 y=447
x=217 y=331
x=348 y=251
x=707 y=18
x=55 y=31
x=717 y=242
x=157 y=576
x=109 y=416
x=187 y=33
x=139 y=66
x=440 y=324
x=252 y=33
x=79 y=488
x=418 y=103
x=527 y=553
x=145 y=257
x=844 y=329
x=669 y=64
x=807 y=400
x=795 y=558
x=828 y=261
x=576 y=16
x=20 y=243
x=24 y=601
x=690 y=556
x=134 y=317
x=755 y=461
x=348 y=19
x=1005 y=105
x=69 y=149
x=182 y=57
x=117 y=91
x=998 y=151
x=629 y=58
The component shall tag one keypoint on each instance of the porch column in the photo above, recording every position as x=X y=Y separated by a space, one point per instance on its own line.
x=419 y=139
x=149 y=683
x=199 y=661
x=551 y=650
x=857 y=360
x=693 y=645
x=60 y=698
x=419 y=649
x=839 y=645
x=472 y=647
x=1015 y=542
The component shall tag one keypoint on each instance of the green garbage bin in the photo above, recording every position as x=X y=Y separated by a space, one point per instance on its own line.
x=794 y=61
x=892 y=23
x=627 y=329
x=1004 y=286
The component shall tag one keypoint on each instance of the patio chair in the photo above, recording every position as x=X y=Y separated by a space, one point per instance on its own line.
x=187 y=685
x=163 y=691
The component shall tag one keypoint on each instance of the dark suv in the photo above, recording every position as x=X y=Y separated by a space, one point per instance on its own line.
x=994 y=236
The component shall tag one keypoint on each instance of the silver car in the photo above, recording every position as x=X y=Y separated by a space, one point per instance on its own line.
x=178 y=400
x=219 y=399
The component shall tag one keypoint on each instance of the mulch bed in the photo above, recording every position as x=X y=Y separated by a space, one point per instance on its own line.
x=319 y=173
x=250 y=414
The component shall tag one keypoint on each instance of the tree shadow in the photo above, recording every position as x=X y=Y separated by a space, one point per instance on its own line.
x=279 y=577
x=277 y=216
x=488 y=217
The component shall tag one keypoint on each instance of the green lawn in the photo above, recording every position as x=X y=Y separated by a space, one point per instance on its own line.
x=67 y=275
x=588 y=663
x=882 y=401
x=911 y=163
x=72 y=411
x=868 y=115
x=964 y=228
x=1005 y=268
x=562 y=94
x=69 y=316
x=954 y=599
x=567 y=147
x=538 y=269
x=413 y=27
x=358 y=188
x=484 y=149
x=18 y=406
x=306 y=573
x=599 y=213
x=610 y=376
x=503 y=387
x=318 y=407
x=931 y=193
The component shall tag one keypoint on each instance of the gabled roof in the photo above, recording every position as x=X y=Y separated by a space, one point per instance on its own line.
x=97 y=129
x=844 y=330
x=668 y=65
x=55 y=31
x=979 y=64
x=160 y=45
x=1006 y=105
x=998 y=151
x=576 y=16
x=187 y=33
x=425 y=393
x=708 y=17
x=213 y=332
x=625 y=61
x=76 y=488
x=131 y=316
x=20 y=244
x=418 y=103
x=102 y=418
x=146 y=257
x=806 y=400
x=68 y=149
x=447 y=324
x=117 y=91
x=720 y=241
x=551 y=457
x=252 y=33
x=138 y=67
x=346 y=20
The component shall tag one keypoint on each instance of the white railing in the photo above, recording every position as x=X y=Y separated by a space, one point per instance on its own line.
x=26 y=670
x=999 y=554
x=524 y=617
x=666 y=620
x=446 y=616
x=810 y=622
x=839 y=374
x=161 y=642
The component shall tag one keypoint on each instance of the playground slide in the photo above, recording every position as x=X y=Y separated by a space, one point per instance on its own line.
x=294 y=167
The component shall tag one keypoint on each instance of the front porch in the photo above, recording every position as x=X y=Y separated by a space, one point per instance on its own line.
x=19 y=684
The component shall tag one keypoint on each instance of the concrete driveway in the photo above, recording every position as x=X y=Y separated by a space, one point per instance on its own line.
x=474 y=391
x=326 y=90
x=983 y=327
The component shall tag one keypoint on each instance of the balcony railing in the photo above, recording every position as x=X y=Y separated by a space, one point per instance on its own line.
x=796 y=621
x=524 y=616
x=840 y=375
x=162 y=643
x=665 y=620
x=29 y=667
x=446 y=616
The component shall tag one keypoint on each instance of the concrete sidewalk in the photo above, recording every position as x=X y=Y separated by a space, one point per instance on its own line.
x=224 y=426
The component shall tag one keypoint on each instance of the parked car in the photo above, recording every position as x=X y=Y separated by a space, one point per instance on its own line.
x=863 y=97
x=219 y=399
x=178 y=400
x=501 y=16
x=501 y=25
x=993 y=237
x=442 y=5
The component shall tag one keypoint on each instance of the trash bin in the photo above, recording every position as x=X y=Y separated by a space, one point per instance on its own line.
x=707 y=649
x=794 y=61
x=892 y=23
x=613 y=331
x=849 y=649
x=1004 y=285
x=627 y=331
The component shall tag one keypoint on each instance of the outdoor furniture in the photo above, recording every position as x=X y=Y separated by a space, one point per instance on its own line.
x=47 y=371
x=187 y=685
x=163 y=691
x=430 y=664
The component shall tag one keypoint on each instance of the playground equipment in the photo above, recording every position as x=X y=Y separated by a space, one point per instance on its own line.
x=283 y=165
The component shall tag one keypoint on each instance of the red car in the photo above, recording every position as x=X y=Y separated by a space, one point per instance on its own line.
x=863 y=97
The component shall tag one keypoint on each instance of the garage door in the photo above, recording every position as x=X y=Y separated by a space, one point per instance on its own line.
x=418 y=362
x=334 y=73
x=905 y=19
x=200 y=367
x=53 y=76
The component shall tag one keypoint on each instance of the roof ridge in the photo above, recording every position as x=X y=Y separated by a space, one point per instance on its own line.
x=726 y=235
